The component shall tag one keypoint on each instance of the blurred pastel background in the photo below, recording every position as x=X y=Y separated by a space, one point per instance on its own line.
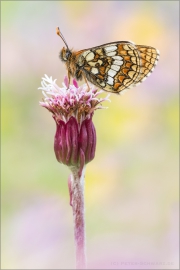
x=131 y=191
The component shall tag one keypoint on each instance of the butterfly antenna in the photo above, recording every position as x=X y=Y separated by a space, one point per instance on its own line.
x=61 y=36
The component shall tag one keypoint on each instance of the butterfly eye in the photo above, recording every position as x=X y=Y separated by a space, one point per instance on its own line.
x=68 y=53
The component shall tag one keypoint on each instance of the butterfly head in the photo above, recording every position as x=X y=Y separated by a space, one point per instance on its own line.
x=65 y=54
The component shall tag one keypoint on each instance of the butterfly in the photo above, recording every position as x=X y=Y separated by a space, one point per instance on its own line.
x=113 y=66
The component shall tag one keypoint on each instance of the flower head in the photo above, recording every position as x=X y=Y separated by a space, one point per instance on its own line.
x=71 y=100
x=72 y=108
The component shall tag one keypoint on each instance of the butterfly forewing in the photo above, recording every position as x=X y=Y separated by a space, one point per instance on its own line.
x=118 y=65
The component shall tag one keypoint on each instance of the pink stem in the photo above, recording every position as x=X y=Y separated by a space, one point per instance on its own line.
x=76 y=188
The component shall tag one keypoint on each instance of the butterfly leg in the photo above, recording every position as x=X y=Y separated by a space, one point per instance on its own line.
x=69 y=78
x=86 y=80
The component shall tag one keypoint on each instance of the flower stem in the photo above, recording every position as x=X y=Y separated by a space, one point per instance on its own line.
x=76 y=189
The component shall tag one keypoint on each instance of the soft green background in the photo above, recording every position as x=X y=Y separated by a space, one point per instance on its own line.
x=132 y=184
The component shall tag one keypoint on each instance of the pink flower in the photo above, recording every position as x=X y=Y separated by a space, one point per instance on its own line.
x=72 y=108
